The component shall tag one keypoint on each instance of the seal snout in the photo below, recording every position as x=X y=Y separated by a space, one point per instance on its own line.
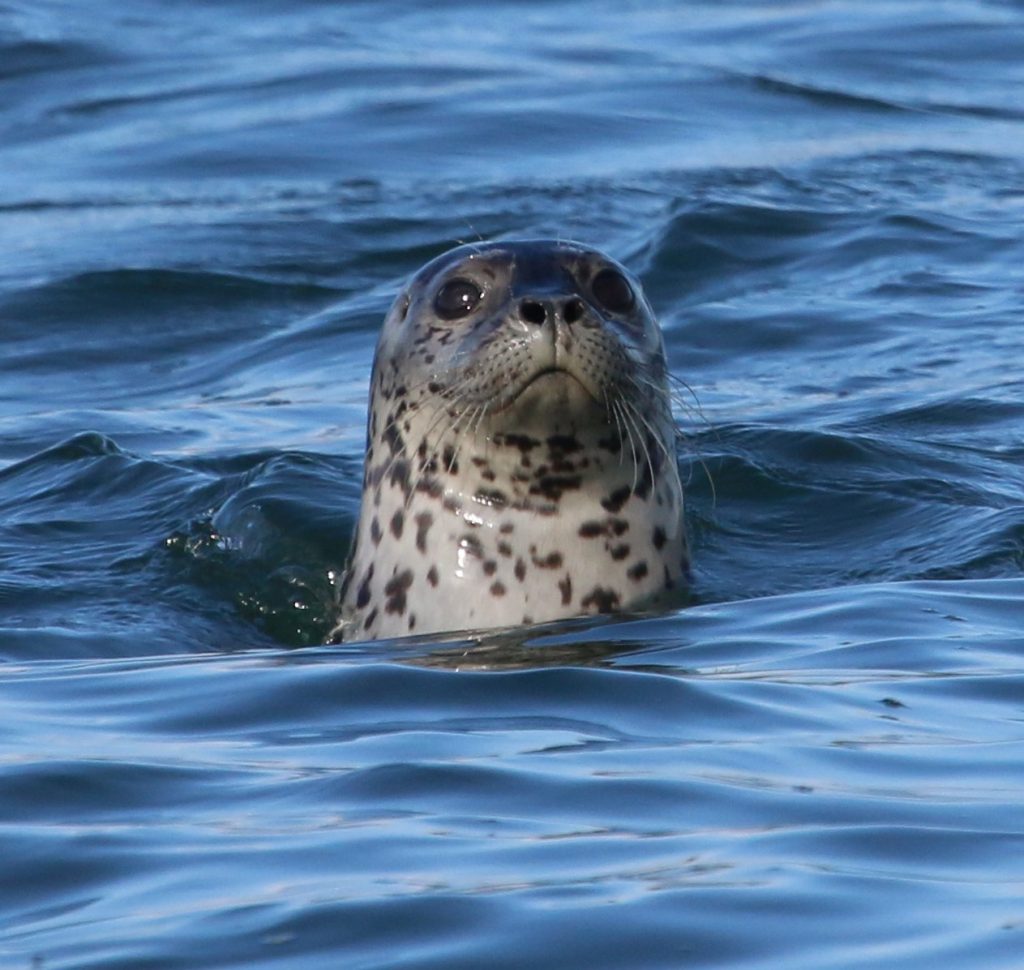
x=538 y=311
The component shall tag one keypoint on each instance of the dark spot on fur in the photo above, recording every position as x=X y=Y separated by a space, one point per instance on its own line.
x=431 y=486
x=394 y=440
x=565 y=586
x=552 y=486
x=507 y=528
x=618 y=526
x=375 y=533
x=659 y=538
x=472 y=545
x=400 y=475
x=504 y=549
x=397 y=523
x=603 y=600
x=643 y=487
x=551 y=561
x=490 y=567
x=370 y=617
x=424 y=520
x=432 y=576
x=497 y=588
x=520 y=570
x=449 y=461
x=637 y=572
x=617 y=499
x=521 y=441
x=619 y=551
x=395 y=591
x=563 y=443
x=412 y=621
x=363 y=596
x=591 y=530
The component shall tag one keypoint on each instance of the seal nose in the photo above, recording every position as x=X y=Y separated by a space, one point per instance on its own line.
x=540 y=312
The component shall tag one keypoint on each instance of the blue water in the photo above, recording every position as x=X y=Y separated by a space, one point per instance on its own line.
x=205 y=209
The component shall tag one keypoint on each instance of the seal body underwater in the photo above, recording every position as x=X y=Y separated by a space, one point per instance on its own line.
x=520 y=459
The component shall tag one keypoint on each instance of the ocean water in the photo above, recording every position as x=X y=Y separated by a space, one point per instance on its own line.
x=205 y=209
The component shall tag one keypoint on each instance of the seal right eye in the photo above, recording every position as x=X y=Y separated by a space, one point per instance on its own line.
x=457 y=298
x=613 y=291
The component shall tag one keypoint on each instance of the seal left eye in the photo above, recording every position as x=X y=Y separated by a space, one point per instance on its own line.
x=613 y=291
x=457 y=298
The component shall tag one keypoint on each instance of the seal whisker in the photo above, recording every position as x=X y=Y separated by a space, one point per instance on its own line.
x=431 y=456
x=666 y=415
x=470 y=414
x=681 y=436
x=396 y=416
x=627 y=423
x=428 y=458
x=456 y=411
x=618 y=425
x=471 y=429
x=644 y=451
x=670 y=457
x=679 y=391
x=441 y=409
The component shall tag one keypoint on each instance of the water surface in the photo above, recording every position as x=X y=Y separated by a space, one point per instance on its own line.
x=205 y=210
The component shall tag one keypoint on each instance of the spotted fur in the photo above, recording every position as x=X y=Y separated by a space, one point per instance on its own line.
x=520 y=461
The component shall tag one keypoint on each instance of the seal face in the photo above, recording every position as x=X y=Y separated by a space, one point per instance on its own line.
x=520 y=461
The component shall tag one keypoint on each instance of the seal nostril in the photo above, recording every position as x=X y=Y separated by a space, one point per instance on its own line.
x=572 y=311
x=533 y=312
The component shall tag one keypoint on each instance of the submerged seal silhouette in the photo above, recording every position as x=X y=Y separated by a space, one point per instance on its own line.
x=520 y=460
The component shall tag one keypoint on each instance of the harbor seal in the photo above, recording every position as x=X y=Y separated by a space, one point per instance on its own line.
x=520 y=460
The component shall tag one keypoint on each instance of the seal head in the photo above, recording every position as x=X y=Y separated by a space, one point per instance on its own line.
x=520 y=461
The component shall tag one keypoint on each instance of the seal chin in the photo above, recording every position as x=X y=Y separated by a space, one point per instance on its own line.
x=552 y=396
x=553 y=380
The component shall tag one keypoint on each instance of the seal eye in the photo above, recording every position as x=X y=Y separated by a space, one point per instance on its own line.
x=613 y=291
x=457 y=298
